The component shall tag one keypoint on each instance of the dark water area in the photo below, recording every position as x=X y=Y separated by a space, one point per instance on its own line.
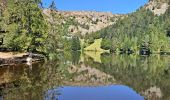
x=88 y=76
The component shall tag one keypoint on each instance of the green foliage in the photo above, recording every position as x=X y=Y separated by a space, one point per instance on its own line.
x=75 y=45
x=2 y=29
x=96 y=47
x=67 y=44
x=106 y=44
x=52 y=42
x=24 y=25
x=139 y=29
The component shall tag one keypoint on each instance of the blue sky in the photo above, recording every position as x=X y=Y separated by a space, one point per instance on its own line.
x=114 y=6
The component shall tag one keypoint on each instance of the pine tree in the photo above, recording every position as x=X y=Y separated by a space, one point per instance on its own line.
x=75 y=44
x=52 y=42
x=35 y=23
x=2 y=31
x=25 y=24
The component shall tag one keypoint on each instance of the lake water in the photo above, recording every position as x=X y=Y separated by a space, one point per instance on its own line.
x=88 y=76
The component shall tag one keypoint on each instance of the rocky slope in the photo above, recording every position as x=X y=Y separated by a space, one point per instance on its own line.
x=3 y=2
x=158 y=7
x=87 y=21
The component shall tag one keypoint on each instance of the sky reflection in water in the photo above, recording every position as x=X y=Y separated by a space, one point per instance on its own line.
x=114 y=92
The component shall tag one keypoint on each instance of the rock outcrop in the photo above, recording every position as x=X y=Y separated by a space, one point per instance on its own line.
x=153 y=93
x=158 y=7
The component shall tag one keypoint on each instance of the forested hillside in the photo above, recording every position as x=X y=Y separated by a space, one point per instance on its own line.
x=143 y=31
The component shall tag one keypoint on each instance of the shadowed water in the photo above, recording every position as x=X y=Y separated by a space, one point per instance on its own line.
x=75 y=76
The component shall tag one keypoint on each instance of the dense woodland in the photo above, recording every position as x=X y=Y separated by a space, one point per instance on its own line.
x=139 y=31
x=24 y=27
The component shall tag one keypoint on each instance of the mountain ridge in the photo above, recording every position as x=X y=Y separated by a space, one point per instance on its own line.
x=87 y=21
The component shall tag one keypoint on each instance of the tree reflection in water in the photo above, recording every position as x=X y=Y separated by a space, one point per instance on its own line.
x=149 y=76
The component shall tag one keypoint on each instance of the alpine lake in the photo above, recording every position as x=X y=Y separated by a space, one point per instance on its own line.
x=88 y=76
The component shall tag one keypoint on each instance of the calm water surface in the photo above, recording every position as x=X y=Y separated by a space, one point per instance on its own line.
x=113 y=92
x=88 y=76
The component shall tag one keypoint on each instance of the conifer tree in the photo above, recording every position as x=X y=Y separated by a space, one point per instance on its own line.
x=53 y=34
x=75 y=44
x=25 y=24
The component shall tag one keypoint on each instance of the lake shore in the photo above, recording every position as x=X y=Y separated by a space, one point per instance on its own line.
x=8 y=58
x=6 y=55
